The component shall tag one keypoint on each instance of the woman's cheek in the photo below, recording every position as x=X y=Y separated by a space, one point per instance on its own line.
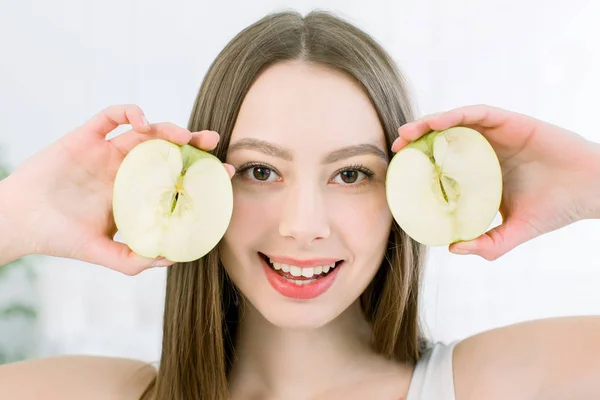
x=365 y=213
x=252 y=207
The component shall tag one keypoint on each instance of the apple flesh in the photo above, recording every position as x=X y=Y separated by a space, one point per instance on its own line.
x=445 y=186
x=171 y=201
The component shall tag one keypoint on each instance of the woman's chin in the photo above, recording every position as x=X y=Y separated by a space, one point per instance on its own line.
x=298 y=316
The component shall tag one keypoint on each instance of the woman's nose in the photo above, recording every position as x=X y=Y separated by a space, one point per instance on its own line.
x=304 y=216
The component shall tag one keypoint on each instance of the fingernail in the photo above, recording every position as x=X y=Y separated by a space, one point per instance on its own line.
x=461 y=251
x=161 y=262
x=145 y=121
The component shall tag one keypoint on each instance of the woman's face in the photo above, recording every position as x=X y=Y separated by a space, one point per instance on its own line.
x=310 y=221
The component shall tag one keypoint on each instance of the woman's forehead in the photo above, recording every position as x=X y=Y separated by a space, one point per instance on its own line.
x=297 y=105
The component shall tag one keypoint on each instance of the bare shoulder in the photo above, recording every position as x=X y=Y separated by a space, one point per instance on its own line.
x=552 y=358
x=76 y=377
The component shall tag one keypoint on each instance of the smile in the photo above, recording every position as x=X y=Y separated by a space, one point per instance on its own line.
x=303 y=281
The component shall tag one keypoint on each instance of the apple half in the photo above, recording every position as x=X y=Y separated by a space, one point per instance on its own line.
x=445 y=187
x=171 y=201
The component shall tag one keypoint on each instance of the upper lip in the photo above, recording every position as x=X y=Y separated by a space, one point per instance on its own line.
x=305 y=263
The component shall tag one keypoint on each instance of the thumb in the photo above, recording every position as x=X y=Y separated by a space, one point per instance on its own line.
x=119 y=257
x=498 y=241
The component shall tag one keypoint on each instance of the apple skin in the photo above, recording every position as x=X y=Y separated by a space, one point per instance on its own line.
x=445 y=187
x=171 y=201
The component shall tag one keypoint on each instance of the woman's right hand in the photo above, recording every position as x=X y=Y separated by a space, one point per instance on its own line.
x=61 y=198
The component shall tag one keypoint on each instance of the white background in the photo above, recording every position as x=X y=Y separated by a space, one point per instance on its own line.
x=62 y=61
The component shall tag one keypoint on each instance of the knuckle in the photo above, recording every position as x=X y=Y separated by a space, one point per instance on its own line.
x=106 y=111
x=132 y=270
x=480 y=107
x=171 y=125
x=126 y=108
x=166 y=125
x=133 y=109
x=491 y=256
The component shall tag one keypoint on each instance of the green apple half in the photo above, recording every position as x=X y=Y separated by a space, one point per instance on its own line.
x=445 y=186
x=171 y=201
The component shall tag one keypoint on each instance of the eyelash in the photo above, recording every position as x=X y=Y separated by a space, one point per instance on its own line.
x=354 y=167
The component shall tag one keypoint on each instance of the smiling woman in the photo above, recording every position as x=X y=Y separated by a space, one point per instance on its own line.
x=311 y=199
x=312 y=269
x=312 y=292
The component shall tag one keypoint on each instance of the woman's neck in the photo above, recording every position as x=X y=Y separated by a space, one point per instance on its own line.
x=285 y=363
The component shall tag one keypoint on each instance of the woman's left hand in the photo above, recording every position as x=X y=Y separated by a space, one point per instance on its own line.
x=551 y=176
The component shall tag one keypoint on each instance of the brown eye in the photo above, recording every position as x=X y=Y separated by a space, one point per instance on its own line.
x=349 y=176
x=352 y=176
x=258 y=173
x=261 y=173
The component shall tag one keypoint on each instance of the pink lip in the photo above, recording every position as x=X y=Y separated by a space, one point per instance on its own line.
x=313 y=262
x=305 y=292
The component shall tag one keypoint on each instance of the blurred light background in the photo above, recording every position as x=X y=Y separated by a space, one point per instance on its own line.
x=63 y=61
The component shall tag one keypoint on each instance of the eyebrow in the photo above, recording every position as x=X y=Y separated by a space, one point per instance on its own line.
x=285 y=154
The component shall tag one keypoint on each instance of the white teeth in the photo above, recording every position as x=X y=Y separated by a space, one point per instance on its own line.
x=301 y=282
x=308 y=272
x=305 y=272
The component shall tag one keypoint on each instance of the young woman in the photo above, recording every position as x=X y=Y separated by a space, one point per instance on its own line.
x=307 y=112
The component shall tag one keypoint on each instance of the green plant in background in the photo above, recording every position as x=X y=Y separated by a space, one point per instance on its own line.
x=18 y=314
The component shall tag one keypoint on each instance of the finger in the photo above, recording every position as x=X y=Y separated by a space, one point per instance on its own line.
x=477 y=115
x=205 y=140
x=414 y=130
x=399 y=144
x=119 y=257
x=230 y=169
x=164 y=130
x=208 y=140
x=497 y=241
x=482 y=116
x=111 y=117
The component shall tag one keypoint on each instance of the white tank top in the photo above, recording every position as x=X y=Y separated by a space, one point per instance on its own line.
x=433 y=376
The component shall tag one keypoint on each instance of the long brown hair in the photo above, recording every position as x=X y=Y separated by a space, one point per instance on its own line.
x=201 y=309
